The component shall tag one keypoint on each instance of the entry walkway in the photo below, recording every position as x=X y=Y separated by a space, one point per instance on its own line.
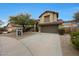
x=39 y=44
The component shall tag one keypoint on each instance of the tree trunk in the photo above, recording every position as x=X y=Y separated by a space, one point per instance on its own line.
x=23 y=28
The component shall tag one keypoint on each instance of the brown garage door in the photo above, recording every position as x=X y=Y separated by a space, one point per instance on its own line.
x=49 y=29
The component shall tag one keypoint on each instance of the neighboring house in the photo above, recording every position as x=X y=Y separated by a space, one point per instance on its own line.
x=70 y=26
x=49 y=22
x=11 y=27
x=76 y=22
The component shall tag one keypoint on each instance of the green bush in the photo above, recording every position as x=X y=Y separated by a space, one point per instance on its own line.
x=75 y=39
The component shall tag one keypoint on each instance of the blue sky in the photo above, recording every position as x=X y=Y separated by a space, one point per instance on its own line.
x=65 y=10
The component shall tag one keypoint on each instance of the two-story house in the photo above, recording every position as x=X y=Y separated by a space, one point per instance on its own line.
x=49 y=22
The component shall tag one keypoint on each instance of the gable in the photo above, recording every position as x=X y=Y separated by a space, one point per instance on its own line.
x=48 y=17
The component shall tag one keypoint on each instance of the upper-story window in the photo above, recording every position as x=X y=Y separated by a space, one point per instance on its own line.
x=47 y=18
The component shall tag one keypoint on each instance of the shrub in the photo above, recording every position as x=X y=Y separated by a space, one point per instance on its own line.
x=75 y=39
x=61 y=31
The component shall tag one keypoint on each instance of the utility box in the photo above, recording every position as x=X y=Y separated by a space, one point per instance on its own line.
x=19 y=31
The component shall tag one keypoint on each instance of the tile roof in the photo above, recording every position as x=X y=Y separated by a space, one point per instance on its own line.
x=49 y=12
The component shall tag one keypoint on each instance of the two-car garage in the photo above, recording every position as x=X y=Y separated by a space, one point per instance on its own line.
x=49 y=28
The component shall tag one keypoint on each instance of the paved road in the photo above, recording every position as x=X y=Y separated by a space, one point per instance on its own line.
x=39 y=44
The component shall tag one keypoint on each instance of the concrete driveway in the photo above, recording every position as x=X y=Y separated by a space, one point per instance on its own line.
x=12 y=47
x=39 y=44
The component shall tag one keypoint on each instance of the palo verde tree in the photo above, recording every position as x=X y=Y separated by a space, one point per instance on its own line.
x=22 y=19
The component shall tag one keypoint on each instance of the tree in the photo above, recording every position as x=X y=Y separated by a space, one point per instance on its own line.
x=1 y=23
x=22 y=19
x=76 y=16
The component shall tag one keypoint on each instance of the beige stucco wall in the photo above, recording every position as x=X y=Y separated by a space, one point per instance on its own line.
x=10 y=28
x=53 y=17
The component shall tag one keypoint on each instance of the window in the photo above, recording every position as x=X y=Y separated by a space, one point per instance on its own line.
x=47 y=18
